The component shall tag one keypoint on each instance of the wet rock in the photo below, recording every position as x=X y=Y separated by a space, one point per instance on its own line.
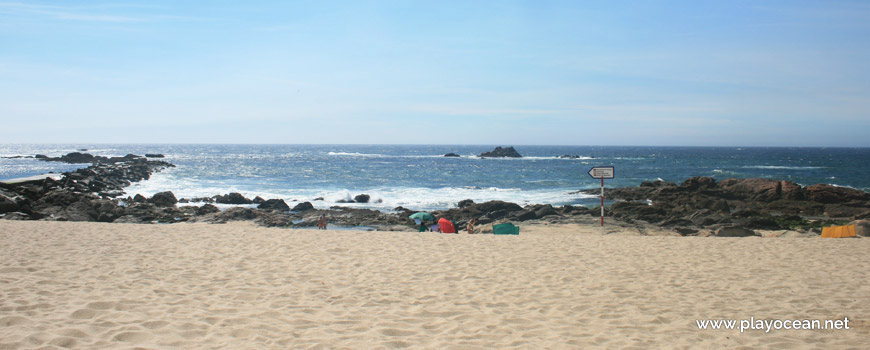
x=465 y=203
x=232 y=198
x=258 y=200
x=274 y=204
x=303 y=207
x=154 y=155
x=164 y=199
x=207 y=209
x=451 y=155
x=362 y=198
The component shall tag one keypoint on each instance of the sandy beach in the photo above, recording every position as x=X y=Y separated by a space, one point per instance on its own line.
x=240 y=286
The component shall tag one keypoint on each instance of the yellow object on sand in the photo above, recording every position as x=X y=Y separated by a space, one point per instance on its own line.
x=838 y=231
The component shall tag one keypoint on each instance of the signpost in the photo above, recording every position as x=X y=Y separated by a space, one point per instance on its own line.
x=602 y=172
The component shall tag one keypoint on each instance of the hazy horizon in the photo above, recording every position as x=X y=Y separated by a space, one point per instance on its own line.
x=673 y=73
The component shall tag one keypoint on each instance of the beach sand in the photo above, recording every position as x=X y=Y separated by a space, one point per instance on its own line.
x=239 y=286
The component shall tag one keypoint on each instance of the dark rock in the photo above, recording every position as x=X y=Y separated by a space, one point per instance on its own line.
x=15 y=216
x=545 y=210
x=154 y=155
x=451 y=155
x=732 y=231
x=258 y=200
x=318 y=199
x=829 y=194
x=274 y=204
x=683 y=231
x=236 y=214
x=569 y=156
x=106 y=210
x=40 y=156
x=500 y=152
x=464 y=203
x=303 y=207
x=525 y=215
x=761 y=190
x=698 y=182
x=138 y=198
x=232 y=198
x=207 y=209
x=164 y=199
x=362 y=198
x=8 y=205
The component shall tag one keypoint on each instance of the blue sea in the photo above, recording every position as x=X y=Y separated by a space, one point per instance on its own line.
x=420 y=178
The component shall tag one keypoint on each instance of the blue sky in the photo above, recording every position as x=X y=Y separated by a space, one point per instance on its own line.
x=724 y=73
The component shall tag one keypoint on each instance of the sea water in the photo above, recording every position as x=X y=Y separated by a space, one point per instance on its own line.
x=419 y=177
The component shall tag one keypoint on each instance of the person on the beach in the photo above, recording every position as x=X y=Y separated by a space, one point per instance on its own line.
x=321 y=223
x=470 y=225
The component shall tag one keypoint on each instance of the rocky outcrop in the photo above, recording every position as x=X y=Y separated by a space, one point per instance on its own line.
x=702 y=202
x=274 y=204
x=232 y=198
x=451 y=155
x=500 y=152
x=303 y=206
x=164 y=199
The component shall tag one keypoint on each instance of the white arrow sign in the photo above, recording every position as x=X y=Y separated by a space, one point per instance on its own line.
x=602 y=172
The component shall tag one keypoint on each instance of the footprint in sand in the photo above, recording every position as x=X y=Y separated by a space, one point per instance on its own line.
x=392 y=332
x=83 y=314
x=64 y=342
x=14 y=321
x=133 y=337
x=101 y=305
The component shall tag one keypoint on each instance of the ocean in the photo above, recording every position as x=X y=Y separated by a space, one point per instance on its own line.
x=419 y=177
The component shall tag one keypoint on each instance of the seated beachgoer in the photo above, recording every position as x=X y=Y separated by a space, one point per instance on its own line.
x=470 y=226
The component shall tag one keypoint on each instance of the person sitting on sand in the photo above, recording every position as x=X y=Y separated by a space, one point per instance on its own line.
x=321 y=223
x=470 y=225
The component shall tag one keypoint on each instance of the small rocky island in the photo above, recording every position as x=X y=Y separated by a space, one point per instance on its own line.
x=499 y=152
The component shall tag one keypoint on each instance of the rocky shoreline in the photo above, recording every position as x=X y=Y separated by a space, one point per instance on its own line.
x=698 y=206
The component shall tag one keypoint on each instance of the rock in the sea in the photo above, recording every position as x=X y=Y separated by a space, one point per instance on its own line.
x=464 y=203
x=451 y=155
x=500 y=152
x=232 y=198
x=569 y=156
x=362 y=198
x=303 y=207
x=274 y=204
x=732 y=231
x=154 y=155
x=258 y=200
x=164 y=199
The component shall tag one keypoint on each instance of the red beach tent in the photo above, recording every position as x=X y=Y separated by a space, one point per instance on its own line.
x=446 y=226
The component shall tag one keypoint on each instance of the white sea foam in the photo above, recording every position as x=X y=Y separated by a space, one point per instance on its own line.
x=385 y=199
x=781 y=167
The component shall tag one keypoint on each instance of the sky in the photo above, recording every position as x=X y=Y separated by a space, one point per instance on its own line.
x=658 y=73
